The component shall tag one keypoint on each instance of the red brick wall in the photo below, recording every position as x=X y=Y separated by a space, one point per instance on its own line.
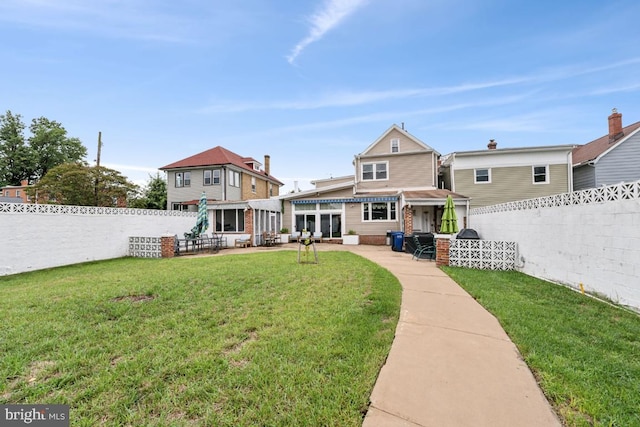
x=442 y=251
x=167 y=245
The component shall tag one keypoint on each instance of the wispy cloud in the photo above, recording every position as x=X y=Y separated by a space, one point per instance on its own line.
x=134 y=19
x=330 y=15
x=354 y=98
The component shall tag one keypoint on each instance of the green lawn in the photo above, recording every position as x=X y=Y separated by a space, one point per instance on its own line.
x=235 y=340
x=585 y=353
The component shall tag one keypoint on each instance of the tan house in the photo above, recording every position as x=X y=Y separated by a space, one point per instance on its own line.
x=394 y=188
x=241 y=192
x=500 y=175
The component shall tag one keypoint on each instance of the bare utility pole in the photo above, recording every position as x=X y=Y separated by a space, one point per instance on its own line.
x=98 y=168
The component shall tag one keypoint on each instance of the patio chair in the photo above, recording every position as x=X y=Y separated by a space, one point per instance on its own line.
x=295 y=236
x=243 y=242
x=317 y=236
x=429 y=250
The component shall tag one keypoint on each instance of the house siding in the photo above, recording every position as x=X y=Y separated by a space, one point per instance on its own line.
x=620 y=164
x=509 y=184
x=414 y=170
x=384 y=145
x=193 y=191
x=584 y=177
x=353 y=215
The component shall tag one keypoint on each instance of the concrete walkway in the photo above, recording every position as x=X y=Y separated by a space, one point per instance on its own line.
x=451 y=363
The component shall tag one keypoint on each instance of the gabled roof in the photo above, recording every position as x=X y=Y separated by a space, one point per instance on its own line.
x=404 y=132
x=598 y=147
x=219 y=156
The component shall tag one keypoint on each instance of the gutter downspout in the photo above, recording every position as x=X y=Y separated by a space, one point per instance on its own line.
x=224 y=183
x=570 y=170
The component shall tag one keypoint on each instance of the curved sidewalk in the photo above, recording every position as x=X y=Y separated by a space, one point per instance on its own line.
x=451 y=363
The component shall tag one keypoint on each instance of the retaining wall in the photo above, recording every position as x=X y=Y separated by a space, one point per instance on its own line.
x=42 y=236
x=590 y=237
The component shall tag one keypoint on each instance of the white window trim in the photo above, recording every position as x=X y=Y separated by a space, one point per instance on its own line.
x=546 y=174
x=386 y=163
x=397 y=140
x=475 y=176
x=362 y=205
x=253 y=184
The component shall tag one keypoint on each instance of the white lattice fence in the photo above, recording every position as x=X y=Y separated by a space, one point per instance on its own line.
x=145 y=247
x=482 y=254
x=610 y=193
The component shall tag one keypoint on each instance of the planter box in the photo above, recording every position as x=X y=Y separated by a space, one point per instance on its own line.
x=284 y=238
x=350 y=239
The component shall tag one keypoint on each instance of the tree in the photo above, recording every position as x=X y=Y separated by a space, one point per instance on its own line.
x=52 y=147
x=16 y=157
x=83 y=185
x=154 y=195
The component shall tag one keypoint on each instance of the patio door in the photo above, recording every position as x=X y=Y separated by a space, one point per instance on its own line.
x=306 y=221
x=331 y=225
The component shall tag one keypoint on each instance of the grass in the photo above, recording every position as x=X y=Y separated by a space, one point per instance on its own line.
x=237 y=340
x=585 y=353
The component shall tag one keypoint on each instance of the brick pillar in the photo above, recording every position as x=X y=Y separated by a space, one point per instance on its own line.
x=408 y=220
x=248 y=224
x=167 y=245
x=442 y=250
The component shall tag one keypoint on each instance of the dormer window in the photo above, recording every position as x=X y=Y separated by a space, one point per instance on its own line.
x=395 y=145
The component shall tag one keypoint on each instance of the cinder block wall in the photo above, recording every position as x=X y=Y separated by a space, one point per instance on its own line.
x=595 y=242
x=43 y=236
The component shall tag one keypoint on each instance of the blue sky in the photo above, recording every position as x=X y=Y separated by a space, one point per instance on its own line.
x=312 y=83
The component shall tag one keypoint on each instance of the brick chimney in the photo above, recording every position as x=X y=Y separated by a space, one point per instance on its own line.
x=615 y=126
x=267 y=164
x=492 y=145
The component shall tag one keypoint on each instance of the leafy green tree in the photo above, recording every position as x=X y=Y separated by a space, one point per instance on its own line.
x=16 y=157
x=154 y=195
x=83 y=185
x=52 y=147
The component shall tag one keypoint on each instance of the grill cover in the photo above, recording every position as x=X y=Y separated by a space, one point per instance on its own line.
x=468 y=233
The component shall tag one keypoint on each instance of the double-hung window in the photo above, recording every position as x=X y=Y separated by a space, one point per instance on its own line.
x=211 y=177
x=374 y=171
x=379 y=211
x=540 y=174
x=234 y=179
x=482 y=176
x=183 y=179
x=253 y=184
x=395 y=145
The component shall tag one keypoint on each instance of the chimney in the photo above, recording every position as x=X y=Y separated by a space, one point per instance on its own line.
x=267 y=164
x=615 y=126
x=492 y=145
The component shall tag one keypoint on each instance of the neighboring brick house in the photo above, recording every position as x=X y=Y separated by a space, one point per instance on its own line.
x=393 y=189
x=610 y=159
x=500 y=175
x=239 y=191
x=15 y=193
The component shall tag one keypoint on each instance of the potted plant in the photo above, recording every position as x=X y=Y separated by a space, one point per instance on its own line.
x=284 y=235
x=351 y=238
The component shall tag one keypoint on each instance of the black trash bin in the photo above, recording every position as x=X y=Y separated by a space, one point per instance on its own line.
x=397 y=241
